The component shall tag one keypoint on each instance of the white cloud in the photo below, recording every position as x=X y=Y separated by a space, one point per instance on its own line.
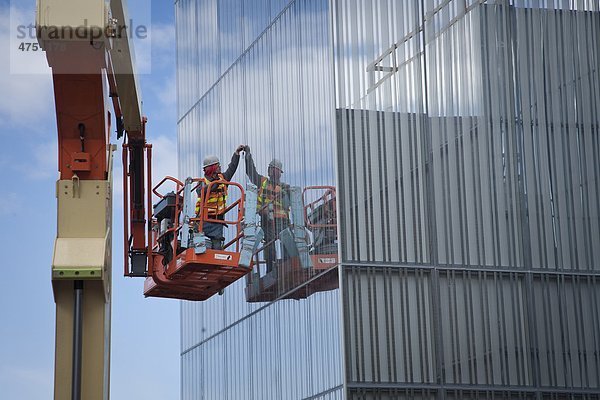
x=164 y=162
x=162 y=84
x=117 y=179
x=18 y=32
x=41 y=162
x=45 y=162
x=255 y=106
x=163 y=38
x=164 y=157
x=157 y=50
x=138 y=13
x=27 y=100
x=166 y=92
x=142 y=55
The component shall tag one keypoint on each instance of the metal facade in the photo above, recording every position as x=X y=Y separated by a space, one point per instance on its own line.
x=468 y=181
x=463 y=139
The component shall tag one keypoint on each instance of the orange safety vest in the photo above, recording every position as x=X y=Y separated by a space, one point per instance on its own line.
x=271 y=193
x=217 y=200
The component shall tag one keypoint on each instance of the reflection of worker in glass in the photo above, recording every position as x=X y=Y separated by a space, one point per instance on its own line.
x=273 y=204
x=217 y=198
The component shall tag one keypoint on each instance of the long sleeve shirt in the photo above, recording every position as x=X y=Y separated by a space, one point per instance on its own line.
x=232 y=167
x=251 y=171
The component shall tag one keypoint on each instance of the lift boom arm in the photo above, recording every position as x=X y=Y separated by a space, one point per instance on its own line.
x=88 y=49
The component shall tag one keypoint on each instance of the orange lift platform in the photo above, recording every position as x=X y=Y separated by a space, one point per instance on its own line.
x=291 y=278
x=181 y=262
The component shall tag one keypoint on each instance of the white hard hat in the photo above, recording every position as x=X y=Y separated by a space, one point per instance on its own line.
x=275 y=163
x=210 y=160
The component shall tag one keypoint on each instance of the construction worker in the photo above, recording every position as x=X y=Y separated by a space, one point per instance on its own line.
x=273 y=204
x=217 y=200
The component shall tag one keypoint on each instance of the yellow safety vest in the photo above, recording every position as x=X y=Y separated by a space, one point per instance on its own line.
x=217 y=200
x=271 y=193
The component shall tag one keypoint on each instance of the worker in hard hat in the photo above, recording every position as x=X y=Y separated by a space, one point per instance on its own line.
x=217 y=199
x=273 y=204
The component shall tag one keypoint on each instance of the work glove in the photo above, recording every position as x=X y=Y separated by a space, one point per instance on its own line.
x=240 y=148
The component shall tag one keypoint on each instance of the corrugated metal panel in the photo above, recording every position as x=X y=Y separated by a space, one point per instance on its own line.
x=490 y=164
x=468 y=167
x=388 y=325
x=566 y=322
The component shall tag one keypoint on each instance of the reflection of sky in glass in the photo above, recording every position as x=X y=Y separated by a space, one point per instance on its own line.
x=259 y=73
x=287 y=59
x=222 y=31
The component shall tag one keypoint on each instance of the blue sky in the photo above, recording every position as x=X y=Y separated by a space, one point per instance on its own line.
x=142 y=366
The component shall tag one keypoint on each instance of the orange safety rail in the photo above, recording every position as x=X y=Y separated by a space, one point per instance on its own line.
x=157 y=284
x=329 y=195
x=288 y=279
x=192 y=276
x=321 y=261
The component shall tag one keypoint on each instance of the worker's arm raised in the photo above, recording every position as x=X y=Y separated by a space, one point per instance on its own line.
x=251 y=171
x=232 y=167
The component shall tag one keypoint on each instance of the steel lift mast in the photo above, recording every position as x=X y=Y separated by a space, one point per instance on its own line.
x=87 y=46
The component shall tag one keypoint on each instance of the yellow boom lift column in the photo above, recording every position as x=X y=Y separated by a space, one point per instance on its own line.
x=87 y=46
x=88 y=49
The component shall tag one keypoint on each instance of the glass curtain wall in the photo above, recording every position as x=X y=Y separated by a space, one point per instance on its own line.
x=258 y=73
x=469 y=158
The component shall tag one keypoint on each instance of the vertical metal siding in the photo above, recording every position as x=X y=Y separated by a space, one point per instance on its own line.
x=468 y=168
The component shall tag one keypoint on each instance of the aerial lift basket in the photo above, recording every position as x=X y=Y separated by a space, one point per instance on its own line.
x=182 y=264
x=318 y=215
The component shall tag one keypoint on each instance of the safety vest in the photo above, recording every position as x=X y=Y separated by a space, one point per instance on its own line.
x=217 y=199
x=271 y=193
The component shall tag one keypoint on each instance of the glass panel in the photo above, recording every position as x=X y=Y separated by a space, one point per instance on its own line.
x=261 y=77
x=258 y=357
